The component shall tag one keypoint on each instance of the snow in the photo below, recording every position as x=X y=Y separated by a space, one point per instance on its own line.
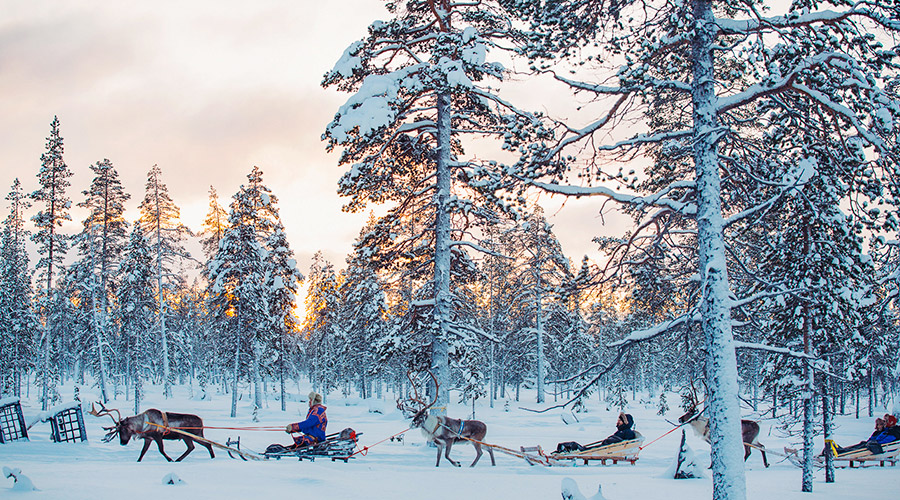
x=100 y=471
x=370 y=108
x=44 y=416
x=349 y=61
x=9 y=401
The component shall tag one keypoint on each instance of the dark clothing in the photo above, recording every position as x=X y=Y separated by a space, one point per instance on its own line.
x=569 y=446
x=313 y=428
x=893 y=431
x=623 y=432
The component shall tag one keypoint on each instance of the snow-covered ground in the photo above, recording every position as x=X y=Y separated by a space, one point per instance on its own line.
x=97 y=471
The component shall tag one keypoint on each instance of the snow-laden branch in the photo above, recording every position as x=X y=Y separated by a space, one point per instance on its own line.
x=845 y=113
x=602 y=89
x=860 y=9
x=656 y=199
x=768 y=87
x=769 y=348
x=479 y=248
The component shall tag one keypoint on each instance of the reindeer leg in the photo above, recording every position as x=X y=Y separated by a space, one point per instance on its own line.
x=478 y=453
x=159 y=444
x=144 y=449
x=762 y=449
x=190 y=447
x=491 y=453
x=440 y=448
x=746 y=452
x=209 y=447
x=447 y=454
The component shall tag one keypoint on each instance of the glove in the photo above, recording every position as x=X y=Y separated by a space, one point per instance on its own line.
x=288 y=428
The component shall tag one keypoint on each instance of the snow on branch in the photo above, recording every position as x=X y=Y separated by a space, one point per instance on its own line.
x=769 y=348
x=797 y=20
x=479 y=248
x=656 y=199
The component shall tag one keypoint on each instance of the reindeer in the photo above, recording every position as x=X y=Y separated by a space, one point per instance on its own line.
x=749 y=428
x=444 y=431
x=142 y=426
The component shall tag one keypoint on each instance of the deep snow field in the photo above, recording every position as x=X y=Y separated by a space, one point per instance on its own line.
x=99 y=471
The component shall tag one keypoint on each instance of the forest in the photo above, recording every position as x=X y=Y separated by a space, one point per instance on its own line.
x=759 y=166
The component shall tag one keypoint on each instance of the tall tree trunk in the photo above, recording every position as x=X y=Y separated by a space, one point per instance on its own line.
x=440 y=356
x=729 y=482
x=257 y=378
x=810 y=382
x=540 y=344
x=827 y=412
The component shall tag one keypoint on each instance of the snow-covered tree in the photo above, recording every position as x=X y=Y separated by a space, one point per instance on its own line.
x=160 y=223
x=17 y=319
x=684 y=50
x=238 y=289
x=137 y=305
x=52 y=245
x=214 y=225
x=283 y=281
x=100 y=245
x=420 y=84
x=323 y=336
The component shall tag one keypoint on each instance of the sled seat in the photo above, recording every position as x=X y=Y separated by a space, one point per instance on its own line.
x=624 y=451
x=859 y=457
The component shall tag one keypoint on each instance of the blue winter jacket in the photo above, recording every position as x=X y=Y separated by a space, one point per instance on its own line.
x=884 y=437
x=314 y=425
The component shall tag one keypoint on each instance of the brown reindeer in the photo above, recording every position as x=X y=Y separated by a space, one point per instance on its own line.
x=749 y=428
x=444 y=431
x=151 y=426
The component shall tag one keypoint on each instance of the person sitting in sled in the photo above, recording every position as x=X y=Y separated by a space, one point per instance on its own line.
x=882 y=435
x=624 y=432
x=311 y=430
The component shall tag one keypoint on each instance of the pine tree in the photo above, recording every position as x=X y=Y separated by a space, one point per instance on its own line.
x=213 y=226
x=324 y=336
x=52 y=245
x=160 y=223
x=283 y=281
x=17 y=319
x=421 y=84
x=100 y=245
x=137 y=305
x=238 y=290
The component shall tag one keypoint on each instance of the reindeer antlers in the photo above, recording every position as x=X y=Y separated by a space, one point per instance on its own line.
x=406 y=405
x=104 y=411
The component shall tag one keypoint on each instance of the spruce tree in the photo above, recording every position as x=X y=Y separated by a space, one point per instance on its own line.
x=51 y=246
x=160 y=223
x=137 y=306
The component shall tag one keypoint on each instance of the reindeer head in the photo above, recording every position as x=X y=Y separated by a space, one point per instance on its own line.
x=415 y=405
x=119 y=426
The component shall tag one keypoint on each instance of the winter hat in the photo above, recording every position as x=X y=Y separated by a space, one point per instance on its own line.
x=890 y=420
x=315 y=397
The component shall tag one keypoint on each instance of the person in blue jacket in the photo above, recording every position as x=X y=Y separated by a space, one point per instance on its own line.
x=311 y=430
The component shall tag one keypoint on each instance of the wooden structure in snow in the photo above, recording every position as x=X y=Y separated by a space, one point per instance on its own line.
x=12 y=423
x=66 y=423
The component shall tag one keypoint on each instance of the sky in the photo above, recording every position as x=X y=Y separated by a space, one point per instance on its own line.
x=206 y=90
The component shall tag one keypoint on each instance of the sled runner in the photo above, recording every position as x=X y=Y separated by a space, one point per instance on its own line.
x=853 y=458
x=624 y=451
x=337 y=446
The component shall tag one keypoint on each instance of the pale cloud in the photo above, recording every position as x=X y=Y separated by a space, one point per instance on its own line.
x=205 y=89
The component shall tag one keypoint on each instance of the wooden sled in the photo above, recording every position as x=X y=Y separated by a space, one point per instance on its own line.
x=625 y=451
x=854 y=458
